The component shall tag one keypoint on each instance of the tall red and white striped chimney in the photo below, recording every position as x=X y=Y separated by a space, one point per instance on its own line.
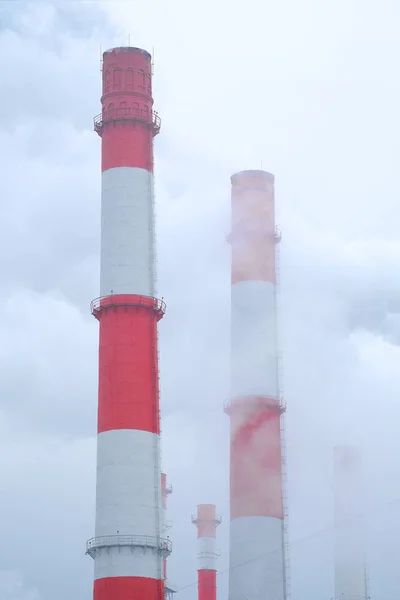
x=128 y=548
x=351 y=577
x=257 y=549
x=206 y=522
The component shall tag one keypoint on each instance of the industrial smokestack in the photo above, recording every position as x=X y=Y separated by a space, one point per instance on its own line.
x=257 y=528
x=128 y=549
x=206 y=522
x=351 y=581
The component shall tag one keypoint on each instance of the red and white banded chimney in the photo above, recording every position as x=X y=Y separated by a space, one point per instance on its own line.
x=128 y=548
x=206 y=522
x=351 y=580
x=257 y=559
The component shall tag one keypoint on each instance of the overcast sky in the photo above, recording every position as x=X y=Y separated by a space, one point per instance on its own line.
x=308 y=90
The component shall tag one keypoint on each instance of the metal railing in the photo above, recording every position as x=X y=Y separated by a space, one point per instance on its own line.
x=115 y=300
x=164 y=546
x=167 y=489
x=342 y=597
x=210 y=554
x=128 y=113
x=217 y=521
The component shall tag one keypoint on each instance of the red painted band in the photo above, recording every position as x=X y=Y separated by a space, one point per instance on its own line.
x=207 y=584
x=127 y=101
x=206 y=512
x=99 y=305
x=205 y=529
x=253 y=259
x=256 y=464
x=253 y=236
x=206 y=520
x=127 y=144
x=126 y=68
x=128 y=588
x=128 y=368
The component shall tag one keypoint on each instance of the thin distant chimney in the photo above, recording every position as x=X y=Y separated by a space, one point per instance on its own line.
x=206 y=522
x=350 y=563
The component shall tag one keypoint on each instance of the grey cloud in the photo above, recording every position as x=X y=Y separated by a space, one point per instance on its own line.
x=48 y=358
x=73 y=18
x=42 y=66
x=81 y=19
x=12 y=587
x=46 y=493
x=379 y=313
x=49 y=216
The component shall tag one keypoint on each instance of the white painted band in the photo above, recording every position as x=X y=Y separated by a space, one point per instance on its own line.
x=256 y=559
x=128 y=492
x=127 y=232
x=254 y=360
x=206 y=553
x=127 y=562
